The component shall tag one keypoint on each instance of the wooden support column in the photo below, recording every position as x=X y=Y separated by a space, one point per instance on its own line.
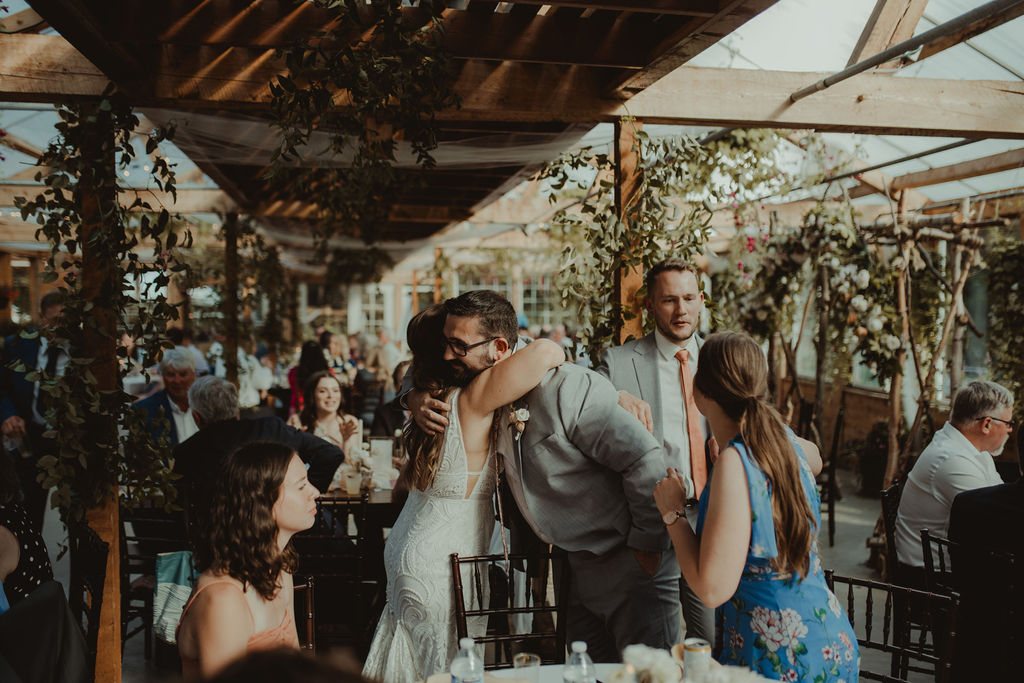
x=959 y=313
x=6 y=283
x=415 y=306
x=99 y=282
x=438 y=280
x=627 y=177
x=231 y=297
x=821 y=347
x=35 y=285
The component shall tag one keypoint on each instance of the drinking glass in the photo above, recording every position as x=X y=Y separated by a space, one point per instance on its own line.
x=527 y=665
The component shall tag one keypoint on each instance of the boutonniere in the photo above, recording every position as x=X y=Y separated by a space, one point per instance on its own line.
x=517 y=419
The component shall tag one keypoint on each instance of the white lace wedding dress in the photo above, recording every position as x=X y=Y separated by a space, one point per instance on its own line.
x=416 y=635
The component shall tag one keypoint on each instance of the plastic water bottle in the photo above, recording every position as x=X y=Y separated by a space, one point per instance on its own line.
x=467 y=667
x=579 y=668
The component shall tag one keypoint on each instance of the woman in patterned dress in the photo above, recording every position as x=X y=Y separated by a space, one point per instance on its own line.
x=754 y=556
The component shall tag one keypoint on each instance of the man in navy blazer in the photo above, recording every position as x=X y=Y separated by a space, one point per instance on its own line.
x=22 y=410
x=167 y=412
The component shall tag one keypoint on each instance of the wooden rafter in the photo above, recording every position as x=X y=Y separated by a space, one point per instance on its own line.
x=976 y=28
x=1004 y=161
x=891 y=22
x=25 y=20
x=694 y=8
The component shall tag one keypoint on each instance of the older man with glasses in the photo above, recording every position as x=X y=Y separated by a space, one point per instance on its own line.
x=959 y=458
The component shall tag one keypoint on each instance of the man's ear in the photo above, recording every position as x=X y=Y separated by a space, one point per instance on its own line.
x=500 y=347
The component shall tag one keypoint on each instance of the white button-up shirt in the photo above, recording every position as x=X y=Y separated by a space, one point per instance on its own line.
x=949 y=465
x=676 y=440
x=184 y=421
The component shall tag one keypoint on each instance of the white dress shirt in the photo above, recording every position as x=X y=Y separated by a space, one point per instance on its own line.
x=949 y=465
x=184 y=421
x=676 y=440
x=41 y=359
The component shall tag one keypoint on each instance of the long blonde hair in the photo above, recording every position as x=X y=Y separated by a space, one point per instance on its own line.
x=425 y=336
x=732 y=372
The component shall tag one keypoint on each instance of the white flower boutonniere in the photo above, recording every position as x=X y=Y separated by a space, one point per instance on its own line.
x=517 y=419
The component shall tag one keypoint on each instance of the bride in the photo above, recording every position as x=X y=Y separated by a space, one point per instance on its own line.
x=451 y=476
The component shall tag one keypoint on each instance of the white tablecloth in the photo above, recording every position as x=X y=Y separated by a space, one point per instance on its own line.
x=552 y=673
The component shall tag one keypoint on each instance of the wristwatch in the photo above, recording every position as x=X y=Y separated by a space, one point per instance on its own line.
x=672 y=517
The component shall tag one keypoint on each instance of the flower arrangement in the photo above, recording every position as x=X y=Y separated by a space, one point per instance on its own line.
x=647 y=665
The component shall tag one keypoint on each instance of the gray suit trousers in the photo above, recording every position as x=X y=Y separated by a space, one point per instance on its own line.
x=613 y=603
x=699 y=618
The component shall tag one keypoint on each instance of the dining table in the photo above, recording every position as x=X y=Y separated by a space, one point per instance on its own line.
x=551 y=673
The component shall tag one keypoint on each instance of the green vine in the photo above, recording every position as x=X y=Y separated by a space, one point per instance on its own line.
x=669 y=214
x=1006 y=316
x=94 y=141
x=348 y=266
x=379 y=74
x=441 y=270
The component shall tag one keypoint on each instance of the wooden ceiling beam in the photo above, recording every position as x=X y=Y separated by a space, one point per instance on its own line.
x=891 y=22
x=24 y=21
x=694 y=38
x=19 y=145
x=693 y=8
x=1004 y=161
x=978 y=27
x=48 y=69
x=189 y=201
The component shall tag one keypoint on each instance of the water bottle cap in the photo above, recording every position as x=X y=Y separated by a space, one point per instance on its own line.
x=466 y=643
x=579 y=646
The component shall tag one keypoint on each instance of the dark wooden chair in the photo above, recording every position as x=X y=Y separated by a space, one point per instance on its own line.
x=332 y=553
x=890 y=509
x=547 y=635
x=145 y=533
x=88 y=573
x=880 y=615
x=938 y=563
x=305 y=615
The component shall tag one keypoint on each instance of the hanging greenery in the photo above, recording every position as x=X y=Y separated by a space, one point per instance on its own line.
x=669 y=214
x=95 y=140
x=348 y=266
x=1006 y=316
x=378 y=74
x=441 y=270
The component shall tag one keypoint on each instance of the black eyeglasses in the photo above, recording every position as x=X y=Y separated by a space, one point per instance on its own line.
x=460 y=349
x=1008 y=423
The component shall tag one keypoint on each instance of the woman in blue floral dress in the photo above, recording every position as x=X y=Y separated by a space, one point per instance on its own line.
x=754 y=555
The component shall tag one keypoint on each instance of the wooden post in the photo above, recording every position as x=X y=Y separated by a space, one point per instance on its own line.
x=821 y=348
x=896 y=382
x=99 y=282
x=415 y=307
x=438 y=280
x=959 y=313
x=627 y=177
x=6 y=283
x=231 y=297
x=35 y=285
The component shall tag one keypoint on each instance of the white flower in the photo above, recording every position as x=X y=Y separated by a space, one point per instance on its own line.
x=863 y=279
x=859 y=303
x=891 y=342
x=649 y=664
x=875 y=324
x=897 y=263
x=522 y=415
x=833 y=604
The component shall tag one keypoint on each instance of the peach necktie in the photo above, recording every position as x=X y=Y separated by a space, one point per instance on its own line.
x=698 y=466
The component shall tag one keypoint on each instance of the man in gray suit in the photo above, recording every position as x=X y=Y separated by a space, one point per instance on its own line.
x=581 y=471
x=647 y=373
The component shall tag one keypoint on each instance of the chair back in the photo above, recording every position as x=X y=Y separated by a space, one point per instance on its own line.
x=938 y=563
x=305 y=605
x=88 y=573
x=332 y=553
x=881 y=615
x=507 y=596
x=890 y=509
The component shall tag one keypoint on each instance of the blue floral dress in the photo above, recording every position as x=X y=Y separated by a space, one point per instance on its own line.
x=779 y=625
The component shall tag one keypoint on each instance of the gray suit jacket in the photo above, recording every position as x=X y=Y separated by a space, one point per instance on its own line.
x=633 y=367
x=588 y=467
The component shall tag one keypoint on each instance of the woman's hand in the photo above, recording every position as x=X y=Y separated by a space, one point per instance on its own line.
x=349 y=426
x=670 y=493
x=294 y=421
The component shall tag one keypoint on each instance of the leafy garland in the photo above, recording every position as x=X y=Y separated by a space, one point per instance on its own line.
x=86 y=470
x=1006 y=316
x=598 y=244
x=378 y=74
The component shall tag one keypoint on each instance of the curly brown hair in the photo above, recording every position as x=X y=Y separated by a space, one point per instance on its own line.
x=240 y=535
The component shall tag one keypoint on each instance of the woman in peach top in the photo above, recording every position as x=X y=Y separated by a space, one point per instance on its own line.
x=242 y=600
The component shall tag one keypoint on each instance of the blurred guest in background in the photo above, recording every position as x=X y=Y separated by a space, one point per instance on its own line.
x=167 y=413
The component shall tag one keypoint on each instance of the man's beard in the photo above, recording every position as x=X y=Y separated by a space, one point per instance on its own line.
x=462 y=374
